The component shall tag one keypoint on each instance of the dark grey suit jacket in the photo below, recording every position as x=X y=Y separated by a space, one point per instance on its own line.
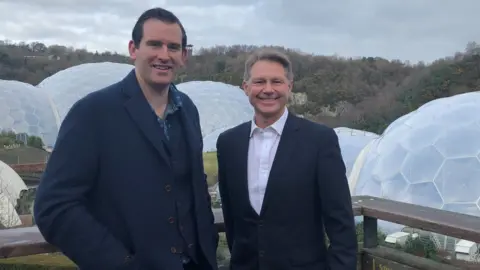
x=307 y=189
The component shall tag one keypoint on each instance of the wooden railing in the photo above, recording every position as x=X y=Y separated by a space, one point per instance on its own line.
x=452 y=224
x=26 y=241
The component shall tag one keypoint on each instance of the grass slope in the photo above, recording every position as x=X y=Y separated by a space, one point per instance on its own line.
x=23 y=155
x=211 y=167
x=40 y=261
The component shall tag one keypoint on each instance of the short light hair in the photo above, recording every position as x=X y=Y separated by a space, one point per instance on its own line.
x=268 y=55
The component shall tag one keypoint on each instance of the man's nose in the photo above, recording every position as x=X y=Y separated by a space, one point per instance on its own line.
x=162 y=52
x=268 y=88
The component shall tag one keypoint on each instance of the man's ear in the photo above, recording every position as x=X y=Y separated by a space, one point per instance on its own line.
x=245 y=87
x=184 y=57
x=132 y=50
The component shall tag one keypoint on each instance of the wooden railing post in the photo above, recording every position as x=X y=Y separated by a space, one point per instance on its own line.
x=370 y=232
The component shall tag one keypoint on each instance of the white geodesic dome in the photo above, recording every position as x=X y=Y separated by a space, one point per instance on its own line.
x=210 y=141
x=10 y=187
x=67 y=86
x=25 y=109
x=429 y=158
x=398 y=122
x=220 y=105
x=11 y=184
x=359 y=178
x=352 y=141
x=40 y=110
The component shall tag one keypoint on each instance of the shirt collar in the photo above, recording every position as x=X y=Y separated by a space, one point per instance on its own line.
x=174 y=100
x=277 y=126
x=174 y=97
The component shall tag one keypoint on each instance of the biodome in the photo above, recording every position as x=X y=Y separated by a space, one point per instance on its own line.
x=67 y=86
x=210 y=141
x=220 y=105
x=430 y=157
x=352 y=141
x=11 y=184
x=26 y=109
x=40 y=110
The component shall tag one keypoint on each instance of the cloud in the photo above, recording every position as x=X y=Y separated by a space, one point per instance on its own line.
x=412 y=30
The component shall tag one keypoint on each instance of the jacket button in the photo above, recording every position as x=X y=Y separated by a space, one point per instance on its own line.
x=261 y=253
x=190 y=245
x=128 y=258
x=171 y=220
x=168 y=188
x=173 y=250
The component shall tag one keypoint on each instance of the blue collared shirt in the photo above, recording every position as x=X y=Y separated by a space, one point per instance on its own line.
x=174 y=104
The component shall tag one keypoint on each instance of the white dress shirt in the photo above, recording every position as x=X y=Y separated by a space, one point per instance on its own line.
x=262 y=148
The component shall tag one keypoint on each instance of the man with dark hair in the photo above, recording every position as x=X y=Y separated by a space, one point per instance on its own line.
x=282 y=181
x=125 y=186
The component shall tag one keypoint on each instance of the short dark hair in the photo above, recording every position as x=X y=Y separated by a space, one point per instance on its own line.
x=158 y=14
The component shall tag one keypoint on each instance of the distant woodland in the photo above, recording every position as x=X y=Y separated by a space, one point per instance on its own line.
x=364 y=93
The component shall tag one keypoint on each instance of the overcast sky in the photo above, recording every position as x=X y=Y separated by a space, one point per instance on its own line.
x=415 y=30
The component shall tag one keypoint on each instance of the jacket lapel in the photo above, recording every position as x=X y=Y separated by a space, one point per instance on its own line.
x=285 y=153
x=139 y=110
x=242 y=144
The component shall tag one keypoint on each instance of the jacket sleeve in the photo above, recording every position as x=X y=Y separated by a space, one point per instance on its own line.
x=223 y=189
x=60 y=205
x=336 y=205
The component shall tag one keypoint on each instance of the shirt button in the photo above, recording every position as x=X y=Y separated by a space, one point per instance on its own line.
x=261 y=253
x=168 y=188
x=190 y=245
x=171 y=220
x=173 y=250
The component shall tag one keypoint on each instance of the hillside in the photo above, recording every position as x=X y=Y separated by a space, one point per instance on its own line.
x=23 y=155
x=14 y=151
x=366 y=93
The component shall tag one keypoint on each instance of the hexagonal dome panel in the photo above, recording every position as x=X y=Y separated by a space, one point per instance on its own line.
x=467 y=141
x=457 y=181
x=437 y=151
x=395 y=188
x=422 y=165
x=25 y=109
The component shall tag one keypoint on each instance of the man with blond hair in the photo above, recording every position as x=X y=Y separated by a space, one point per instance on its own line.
x=282 y=181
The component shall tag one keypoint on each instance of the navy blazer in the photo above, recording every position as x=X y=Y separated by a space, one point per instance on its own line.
x=307 y=192
x=104 y=199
